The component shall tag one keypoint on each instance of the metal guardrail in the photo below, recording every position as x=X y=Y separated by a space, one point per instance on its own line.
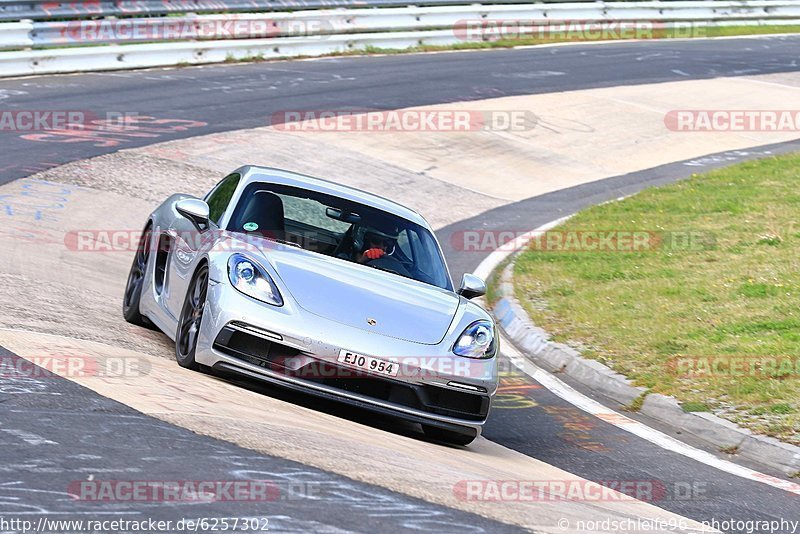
x=343 y=21
x=15 y=10
x=16 y=35
x=293 y=24
x=216 y=38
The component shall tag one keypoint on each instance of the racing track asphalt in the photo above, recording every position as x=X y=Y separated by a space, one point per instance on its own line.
x=231 y=97
x=55 y=434
x=225 y=97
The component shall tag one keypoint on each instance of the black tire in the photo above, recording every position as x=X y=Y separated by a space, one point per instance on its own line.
x=452 y=437
x=135 y=284
x=190 y=320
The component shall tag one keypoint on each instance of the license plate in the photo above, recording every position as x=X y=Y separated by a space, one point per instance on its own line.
x=368 y=363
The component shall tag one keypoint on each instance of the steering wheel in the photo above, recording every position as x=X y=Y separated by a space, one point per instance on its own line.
x=345 y=246
x=388 y=263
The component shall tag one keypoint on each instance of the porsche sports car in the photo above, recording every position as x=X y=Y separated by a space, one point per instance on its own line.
x=311 y=285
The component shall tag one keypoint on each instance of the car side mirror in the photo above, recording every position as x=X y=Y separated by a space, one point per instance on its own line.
x=195 y=210
x=471 y=286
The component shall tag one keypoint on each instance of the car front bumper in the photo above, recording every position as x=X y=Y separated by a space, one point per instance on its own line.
x=290 y=347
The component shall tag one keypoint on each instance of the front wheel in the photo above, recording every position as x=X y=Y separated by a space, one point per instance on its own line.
x=190 y=320
x=448 y=436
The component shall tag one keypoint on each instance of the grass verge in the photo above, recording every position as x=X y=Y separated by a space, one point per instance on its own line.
x=719 y=31
x=712 y=319
x=565 y=37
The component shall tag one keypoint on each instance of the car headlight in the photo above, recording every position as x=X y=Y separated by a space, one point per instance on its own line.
x=250 y=278
x=477 y=341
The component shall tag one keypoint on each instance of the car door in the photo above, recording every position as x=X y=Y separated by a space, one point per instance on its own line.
x=188 y=242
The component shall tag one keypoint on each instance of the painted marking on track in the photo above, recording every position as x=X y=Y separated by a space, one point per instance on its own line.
x=8 y=93
x=28 y=437
x=514 y=392
x=106 y=133
x=343 y=494
x=636 y=428
x=36 y=199
x=578 y=428
x=616 y=419
x=507 y=401
x=12 y=500
x=727 y=157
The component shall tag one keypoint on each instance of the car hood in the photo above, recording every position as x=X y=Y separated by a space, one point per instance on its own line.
x=356 y=295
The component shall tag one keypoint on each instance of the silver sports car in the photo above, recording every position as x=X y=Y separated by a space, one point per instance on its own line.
x=322 y=288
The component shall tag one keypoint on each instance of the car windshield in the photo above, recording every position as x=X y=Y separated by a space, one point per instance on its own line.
x=340 y=228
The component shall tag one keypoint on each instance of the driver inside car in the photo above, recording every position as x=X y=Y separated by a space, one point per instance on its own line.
x=375 y=247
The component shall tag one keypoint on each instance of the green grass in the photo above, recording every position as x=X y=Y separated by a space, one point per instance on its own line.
x=726 y=31
x=732 y=31
x=636 y=404
x=660 y=316
x=694 y=407
x=493 y=293
x=252 y=58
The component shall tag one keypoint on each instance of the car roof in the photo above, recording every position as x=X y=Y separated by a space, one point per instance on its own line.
x=255 y=173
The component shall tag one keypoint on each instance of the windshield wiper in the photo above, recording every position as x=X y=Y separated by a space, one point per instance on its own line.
x=290 y=243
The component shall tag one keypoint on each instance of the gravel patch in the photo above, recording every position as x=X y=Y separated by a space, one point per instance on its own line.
x=135 y=175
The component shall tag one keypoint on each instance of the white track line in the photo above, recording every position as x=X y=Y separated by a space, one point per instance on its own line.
x=490 y=262
x=581 y=401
